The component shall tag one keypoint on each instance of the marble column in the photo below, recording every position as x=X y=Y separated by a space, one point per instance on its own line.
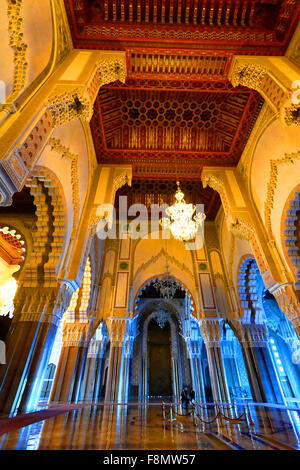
x=263 y=379
x=99 y=369
x=194 y=351
x=115 y=369
x=116 y=366
x=29 y=344
x=124 y=386
x=70 y=370
x=93 y=370
x=89 y=377
x=211 y=333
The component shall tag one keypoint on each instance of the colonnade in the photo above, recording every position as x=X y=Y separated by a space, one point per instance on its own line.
x=41 y=301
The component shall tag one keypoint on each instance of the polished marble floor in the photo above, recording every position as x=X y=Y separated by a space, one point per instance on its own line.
x=136 y=426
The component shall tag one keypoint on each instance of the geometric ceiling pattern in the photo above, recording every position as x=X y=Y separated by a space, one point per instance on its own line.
x=128 y=22
x=167 y=127
x=160 y=192
x=177 y=110
x=172 y=120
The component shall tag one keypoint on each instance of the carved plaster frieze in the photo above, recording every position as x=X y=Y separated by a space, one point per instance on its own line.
x=75 y=334
x=288 y=303
x=50 y=230
x=68 y=106
x=43 y=304
x=272 y=185
x=249 y=75
x=292 y=115
x=20 y=49
x=65 y=152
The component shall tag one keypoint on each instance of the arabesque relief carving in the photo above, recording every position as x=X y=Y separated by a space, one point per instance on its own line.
x=272 y=185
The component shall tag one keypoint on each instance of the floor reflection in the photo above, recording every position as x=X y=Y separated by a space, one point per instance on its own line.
x=143 y=427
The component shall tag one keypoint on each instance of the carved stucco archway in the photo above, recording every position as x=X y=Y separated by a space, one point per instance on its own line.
x=184 y=288
x=50 y=235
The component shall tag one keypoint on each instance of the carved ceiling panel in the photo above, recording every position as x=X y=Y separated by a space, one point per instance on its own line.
x=261 y=22
x=161 y=191
x=177 y=127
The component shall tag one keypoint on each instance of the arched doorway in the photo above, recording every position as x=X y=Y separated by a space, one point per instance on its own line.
x=159 y=357
x=269 y=337
x=166 y=351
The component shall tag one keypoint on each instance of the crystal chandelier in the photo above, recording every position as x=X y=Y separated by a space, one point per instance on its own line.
x=182 y=220
x=161 y=317
x=167 y=284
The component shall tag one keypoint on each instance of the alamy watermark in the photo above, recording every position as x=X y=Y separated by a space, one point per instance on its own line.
x=136 y=222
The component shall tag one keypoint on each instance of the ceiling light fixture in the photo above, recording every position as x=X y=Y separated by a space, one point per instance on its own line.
x=182 y=221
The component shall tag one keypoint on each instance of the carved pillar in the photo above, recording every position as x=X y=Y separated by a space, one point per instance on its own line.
x=211 y=333
x=116 y=328
x=29 y=344
x=262 y=375
x=70 y=369
x=125 y=375
x=194 y=350
x=99 y=369
x=89 y=377
x=273 y=78
x=231 y=367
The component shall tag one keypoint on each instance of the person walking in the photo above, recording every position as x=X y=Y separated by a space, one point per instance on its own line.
x=185 y=398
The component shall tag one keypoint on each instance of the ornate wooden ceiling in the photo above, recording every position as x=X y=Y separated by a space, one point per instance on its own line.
x=166 y=131
x=263 y=24
x=161 y=191
x=177 y=110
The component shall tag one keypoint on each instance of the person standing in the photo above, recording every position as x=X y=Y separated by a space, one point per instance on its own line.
x=192 y=396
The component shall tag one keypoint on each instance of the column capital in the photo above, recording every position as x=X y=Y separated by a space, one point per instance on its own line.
x=93 y=349
x=211 y=331
x=117 y=329
x=42 y=304
x=251 y=334
x=75 y=334
x=275 y=78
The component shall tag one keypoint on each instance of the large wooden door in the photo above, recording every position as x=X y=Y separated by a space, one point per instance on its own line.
x=159 y=349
